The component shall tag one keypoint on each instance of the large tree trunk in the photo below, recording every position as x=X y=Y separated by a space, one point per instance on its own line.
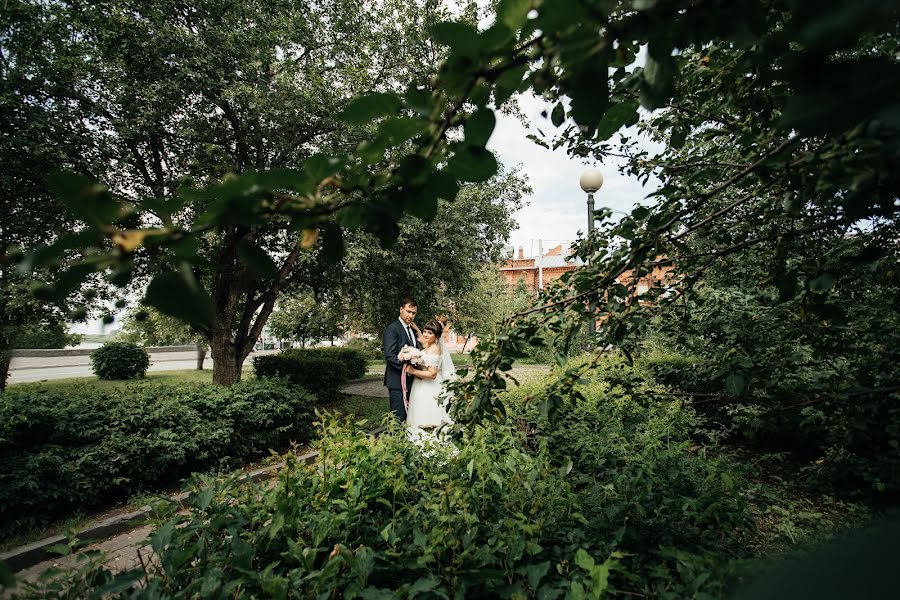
x=201 y=355
x=5 y=359
x=226 y=363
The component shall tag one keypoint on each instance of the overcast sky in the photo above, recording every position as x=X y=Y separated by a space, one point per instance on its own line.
x=557 y=208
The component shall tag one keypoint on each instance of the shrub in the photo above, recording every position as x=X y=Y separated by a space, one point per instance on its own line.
x=352 y=360
x=492 y=520
x=70 y=449
x=644 y=481
x=371 y=348
x=119 y=360
x=322 y=371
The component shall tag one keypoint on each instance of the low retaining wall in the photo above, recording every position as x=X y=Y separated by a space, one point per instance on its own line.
x=24 y=353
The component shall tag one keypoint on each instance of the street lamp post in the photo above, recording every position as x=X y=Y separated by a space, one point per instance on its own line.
x=590 y=181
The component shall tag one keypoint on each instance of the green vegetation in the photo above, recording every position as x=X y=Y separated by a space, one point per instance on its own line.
x=120 y=360
x=630 y=497
x=73 y=448
x=322 y=371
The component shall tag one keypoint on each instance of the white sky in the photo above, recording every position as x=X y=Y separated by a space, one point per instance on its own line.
x=557 y=210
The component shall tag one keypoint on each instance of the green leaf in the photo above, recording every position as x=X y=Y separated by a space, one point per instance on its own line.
x=400 y=129
x=7 y=579
x=831 y=98
x=118 y=584
x=658 y=80
x=678 y=137
x=584 y=560
x=86 y=199
x=296 y=180
x=822 y=283
x=257 y=260
x=374 y=593
x=618 y=115
x=560 y=14
x=161 y=538
x=558 y=115
x=479 y=127
x=735 y=384
x=421 y=203
x=321 y=167
x=369 y=107
x=643 y=4
x=589 y=90
x=509 y=83
x=513 y=13
x=459 y=36
x=443 y=185
x=241 y=552
x=178 y=294
x=473 y=164
x=423 y=584
x=418 y=99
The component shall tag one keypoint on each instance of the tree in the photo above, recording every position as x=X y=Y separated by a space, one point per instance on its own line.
x=147 y=326
x=481 y=309
x=302 y=317
x=431 y=261
x=175 y=97
x=804 y=95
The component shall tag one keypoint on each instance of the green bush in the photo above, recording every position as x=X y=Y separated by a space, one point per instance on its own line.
x=617 y=496
x=323 y=371
x=371 y=348
x=380 y=518
x=645 y=481
x=119 y=360
x=68 y=449
x=352 y=360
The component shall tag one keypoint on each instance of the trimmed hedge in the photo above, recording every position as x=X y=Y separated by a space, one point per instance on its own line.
x=120 y=360
x=323 y=371
x=353 y=360
x=72 y=449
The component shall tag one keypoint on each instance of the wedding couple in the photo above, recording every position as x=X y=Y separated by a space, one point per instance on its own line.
x=415 y=386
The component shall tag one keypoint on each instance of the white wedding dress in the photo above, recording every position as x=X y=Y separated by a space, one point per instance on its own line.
x=427 y=406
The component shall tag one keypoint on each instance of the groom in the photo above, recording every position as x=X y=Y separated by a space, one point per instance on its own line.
x=397 y=335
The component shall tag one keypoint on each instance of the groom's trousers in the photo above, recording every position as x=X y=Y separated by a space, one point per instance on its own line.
x=395 y=397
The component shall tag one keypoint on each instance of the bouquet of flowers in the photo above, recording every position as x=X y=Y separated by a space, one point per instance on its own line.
x=411 y=355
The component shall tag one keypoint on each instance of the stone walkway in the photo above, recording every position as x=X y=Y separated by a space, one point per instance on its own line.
x=121 y=554
x=370 y=387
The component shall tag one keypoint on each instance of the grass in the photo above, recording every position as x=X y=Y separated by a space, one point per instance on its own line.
x=361 y=407
x=186 y=375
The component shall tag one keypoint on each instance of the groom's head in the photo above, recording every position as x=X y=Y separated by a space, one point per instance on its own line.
x=408 y=309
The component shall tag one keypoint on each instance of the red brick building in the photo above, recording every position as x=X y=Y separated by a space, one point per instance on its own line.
x=540 y=271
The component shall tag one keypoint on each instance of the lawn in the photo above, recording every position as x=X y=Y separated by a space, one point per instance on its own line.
x=186 y=375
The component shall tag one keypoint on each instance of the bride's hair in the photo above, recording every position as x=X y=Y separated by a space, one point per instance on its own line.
x=435 y=327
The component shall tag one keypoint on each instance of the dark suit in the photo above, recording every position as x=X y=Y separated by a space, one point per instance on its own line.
x=393 y=340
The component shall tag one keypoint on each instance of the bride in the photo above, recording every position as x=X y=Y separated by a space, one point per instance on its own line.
x=425 y=412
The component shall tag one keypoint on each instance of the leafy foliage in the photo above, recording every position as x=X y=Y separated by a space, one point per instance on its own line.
x=621 y=500
x=814 y=375
x=68 y=449
x=322 y=371
x=149 y=327
x=301 y=317
x=119 y=360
